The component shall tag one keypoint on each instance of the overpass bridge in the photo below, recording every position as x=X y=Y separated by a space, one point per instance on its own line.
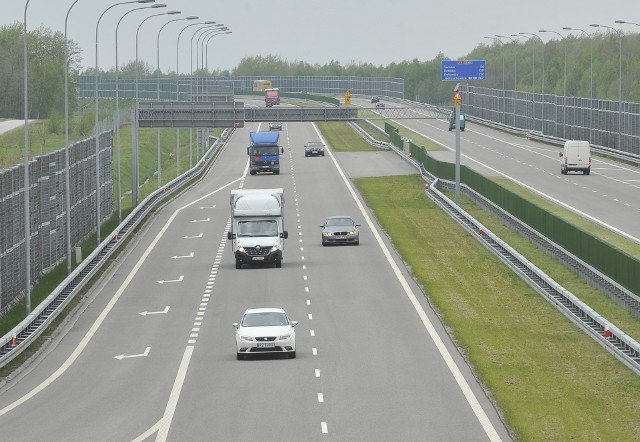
x=223 y=114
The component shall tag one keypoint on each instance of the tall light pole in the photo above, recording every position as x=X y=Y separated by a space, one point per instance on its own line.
x=564 y=83
x=135 y=173
x=67 y=190
x=191 y=98
x=504 y=107
x=620 y=86
x=97 y=124
x=543 y=98
x=206 y=45
x=515 y=76
x=567 y=28
x=619 y=82
x=191 y=17
x=155 y=6
x=533 y=73
x=209 y=22
x=27 y=214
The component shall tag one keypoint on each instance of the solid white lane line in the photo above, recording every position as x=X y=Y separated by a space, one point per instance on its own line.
x=169 y=411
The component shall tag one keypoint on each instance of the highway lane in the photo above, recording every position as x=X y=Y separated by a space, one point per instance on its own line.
x=609 y=196
x=370 y=365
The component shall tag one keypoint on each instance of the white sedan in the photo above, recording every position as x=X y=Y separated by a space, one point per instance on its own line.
x=265 y=330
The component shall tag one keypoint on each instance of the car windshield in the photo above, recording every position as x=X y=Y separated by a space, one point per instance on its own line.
x=258 y=228
x=339 y=222
x=264 y=319
x=314 y=144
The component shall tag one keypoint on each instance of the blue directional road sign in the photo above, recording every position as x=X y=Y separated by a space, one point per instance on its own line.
x=463 y=70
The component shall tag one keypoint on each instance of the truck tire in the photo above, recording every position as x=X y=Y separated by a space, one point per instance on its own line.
x=587 y=171
x=238 y=264
x=276 y=172
x=278 y=263
x=292 y=354
x=240 y=356
x=253 y=172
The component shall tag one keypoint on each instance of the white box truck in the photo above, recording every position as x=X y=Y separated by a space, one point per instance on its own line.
x=576 y=155
x=257 y=226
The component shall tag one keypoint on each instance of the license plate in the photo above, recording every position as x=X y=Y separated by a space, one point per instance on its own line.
x=266 y=344
x=258 y=258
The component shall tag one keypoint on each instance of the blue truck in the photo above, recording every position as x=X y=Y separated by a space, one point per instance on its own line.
x=264 y=152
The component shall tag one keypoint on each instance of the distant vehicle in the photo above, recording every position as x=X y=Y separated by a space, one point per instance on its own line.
x=340 y=230
x=452 y=121
x=265 y=330
x=379 y=104
x=264 y=152
x=313 y=148
x=375 y=99
x=261 y=85
x=257 y=226
x=576 y=155
x=275 y=126
x=272 y=97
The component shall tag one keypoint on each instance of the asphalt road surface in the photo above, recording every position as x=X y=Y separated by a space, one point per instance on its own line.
x=151 y=356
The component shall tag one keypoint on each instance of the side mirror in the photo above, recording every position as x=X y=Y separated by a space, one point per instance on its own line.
x=247 y=151
x=231 y=235
x=357 y=225
x=236 y=325
x=282 y=150
x=560 y=154
x=322 y=225
x=294 y=323
x=285 y=234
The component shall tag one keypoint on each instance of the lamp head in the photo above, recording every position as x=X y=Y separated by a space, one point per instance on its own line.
x=158 y=5
x=209 y=22
x=146 y=1
x=192 y=17
x=174 y=12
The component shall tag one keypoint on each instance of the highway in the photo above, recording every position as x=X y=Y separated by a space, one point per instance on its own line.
x=609 y=196
x=151 y=356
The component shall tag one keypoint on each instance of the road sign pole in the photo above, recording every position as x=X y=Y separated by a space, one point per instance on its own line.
x=457 y=117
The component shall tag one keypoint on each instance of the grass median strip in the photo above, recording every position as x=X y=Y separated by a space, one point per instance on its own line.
x=550 y=380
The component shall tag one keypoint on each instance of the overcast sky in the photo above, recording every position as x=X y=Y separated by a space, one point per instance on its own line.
x=347 y=31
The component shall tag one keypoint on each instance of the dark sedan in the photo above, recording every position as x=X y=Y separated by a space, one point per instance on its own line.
x=313 y=148
x=340 y=230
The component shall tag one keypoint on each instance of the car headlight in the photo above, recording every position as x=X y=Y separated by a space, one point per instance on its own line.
x=327 y=233
x=275 y=248
x=283 y=337
x=246 y=338
x=240 y=249
x=353 y=232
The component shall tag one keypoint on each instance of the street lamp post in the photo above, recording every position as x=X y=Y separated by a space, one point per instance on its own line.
x=67 y=190
x=197 y=31
x=155 y=6
x=191 y=17
x=97 y=123
x=206 y=45
x=564 y=83
x=209 y=22
x=515 y=76
x=567 y=28
x=27 y=215
x=135 y=173
x=619 y=82
x=620 y=85
x=503 y=86
x=542 y=89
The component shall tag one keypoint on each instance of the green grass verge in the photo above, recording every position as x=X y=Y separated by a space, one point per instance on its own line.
x=550 y=380
x=343 y=138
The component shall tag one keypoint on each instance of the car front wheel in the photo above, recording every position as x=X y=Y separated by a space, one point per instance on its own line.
x=240 y=356
x=292 y=354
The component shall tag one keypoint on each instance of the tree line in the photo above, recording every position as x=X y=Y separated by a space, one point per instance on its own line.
x=592 y=69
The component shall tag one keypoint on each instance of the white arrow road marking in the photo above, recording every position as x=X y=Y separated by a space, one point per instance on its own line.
x=201 y=220
x=172 y=280
x=123 y=356
x=166 y=310
x=207 y=207
x=191 y=237
x=183 y=256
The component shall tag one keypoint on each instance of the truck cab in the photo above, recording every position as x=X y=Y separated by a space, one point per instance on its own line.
x=264 y=152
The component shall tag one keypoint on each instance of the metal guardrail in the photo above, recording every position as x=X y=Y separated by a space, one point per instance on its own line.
x=19 y=338
x=622 y=346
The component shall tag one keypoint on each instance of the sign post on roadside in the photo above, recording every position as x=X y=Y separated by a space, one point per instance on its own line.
x=457 y=100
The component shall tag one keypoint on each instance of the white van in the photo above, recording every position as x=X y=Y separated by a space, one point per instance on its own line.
x=576 y=155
